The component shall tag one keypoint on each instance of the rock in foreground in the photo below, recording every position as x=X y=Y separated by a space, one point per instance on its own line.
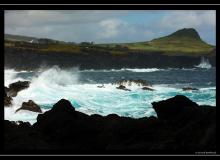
x=30 y=106
x=191 y=129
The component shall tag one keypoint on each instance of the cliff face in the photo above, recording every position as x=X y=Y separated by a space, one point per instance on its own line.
x=32 y=59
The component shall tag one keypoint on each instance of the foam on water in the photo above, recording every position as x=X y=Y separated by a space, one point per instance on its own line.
x=126 y=69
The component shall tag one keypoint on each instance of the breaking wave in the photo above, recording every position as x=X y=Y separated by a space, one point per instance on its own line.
x=51 y=85
x=204 y=64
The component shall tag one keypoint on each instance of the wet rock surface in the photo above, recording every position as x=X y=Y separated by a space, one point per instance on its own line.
x=30 y=106
x=16 y=87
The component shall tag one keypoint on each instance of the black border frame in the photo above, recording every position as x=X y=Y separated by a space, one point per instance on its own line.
x=103 y=7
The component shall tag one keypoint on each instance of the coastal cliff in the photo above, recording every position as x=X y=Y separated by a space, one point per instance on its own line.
x=181 y=49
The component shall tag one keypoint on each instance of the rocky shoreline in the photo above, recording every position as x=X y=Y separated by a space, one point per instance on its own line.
x=181 y=126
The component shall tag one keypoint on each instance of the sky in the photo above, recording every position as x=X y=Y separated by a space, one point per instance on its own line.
x=109 y=26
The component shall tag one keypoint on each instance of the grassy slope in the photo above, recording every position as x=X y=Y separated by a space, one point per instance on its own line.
x=173 y=45
x=185 y=41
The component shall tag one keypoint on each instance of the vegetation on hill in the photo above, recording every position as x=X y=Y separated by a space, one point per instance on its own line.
x=182 y=42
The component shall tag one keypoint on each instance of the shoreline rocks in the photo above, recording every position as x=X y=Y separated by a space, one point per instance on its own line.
x=181 y=126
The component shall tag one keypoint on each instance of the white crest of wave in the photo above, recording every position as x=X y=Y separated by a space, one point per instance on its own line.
x=57 y=76
x=204 y=63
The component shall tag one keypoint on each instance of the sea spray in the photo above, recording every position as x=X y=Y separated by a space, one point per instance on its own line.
x=10 y=76
x=204 y=63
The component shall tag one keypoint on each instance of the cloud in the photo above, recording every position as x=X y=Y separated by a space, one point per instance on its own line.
x=108 y=26
x=111 y=28
x=188 y=19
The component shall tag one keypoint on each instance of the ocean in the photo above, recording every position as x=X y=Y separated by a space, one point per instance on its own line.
x=80 y=87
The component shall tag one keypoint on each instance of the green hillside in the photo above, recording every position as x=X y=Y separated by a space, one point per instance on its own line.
x=182 y=42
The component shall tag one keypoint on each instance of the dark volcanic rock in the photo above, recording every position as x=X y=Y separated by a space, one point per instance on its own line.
x=7 y=99
x=62 y=112
x=173 y=107
x=14 y=88
x=182 y=126
x=31 y=106
x=190 y=89
x=123 y=88
x=148 y=89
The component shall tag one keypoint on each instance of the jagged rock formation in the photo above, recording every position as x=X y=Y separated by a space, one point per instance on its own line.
x=30 y=106
x=182 y=126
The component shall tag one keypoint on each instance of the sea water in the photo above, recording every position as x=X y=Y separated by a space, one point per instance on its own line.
x=80 y=87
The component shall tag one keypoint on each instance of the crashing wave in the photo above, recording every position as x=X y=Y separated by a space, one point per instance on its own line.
x=204 y=64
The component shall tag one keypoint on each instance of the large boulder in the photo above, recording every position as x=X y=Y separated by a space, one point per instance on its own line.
x=16 y=87
x=61 y=113
x=172 y=108
x=30 y=106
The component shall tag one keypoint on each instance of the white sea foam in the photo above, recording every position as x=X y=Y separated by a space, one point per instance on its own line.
x=143 y=69
x=126 y=69
x=51 y=85
x=10 y=77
